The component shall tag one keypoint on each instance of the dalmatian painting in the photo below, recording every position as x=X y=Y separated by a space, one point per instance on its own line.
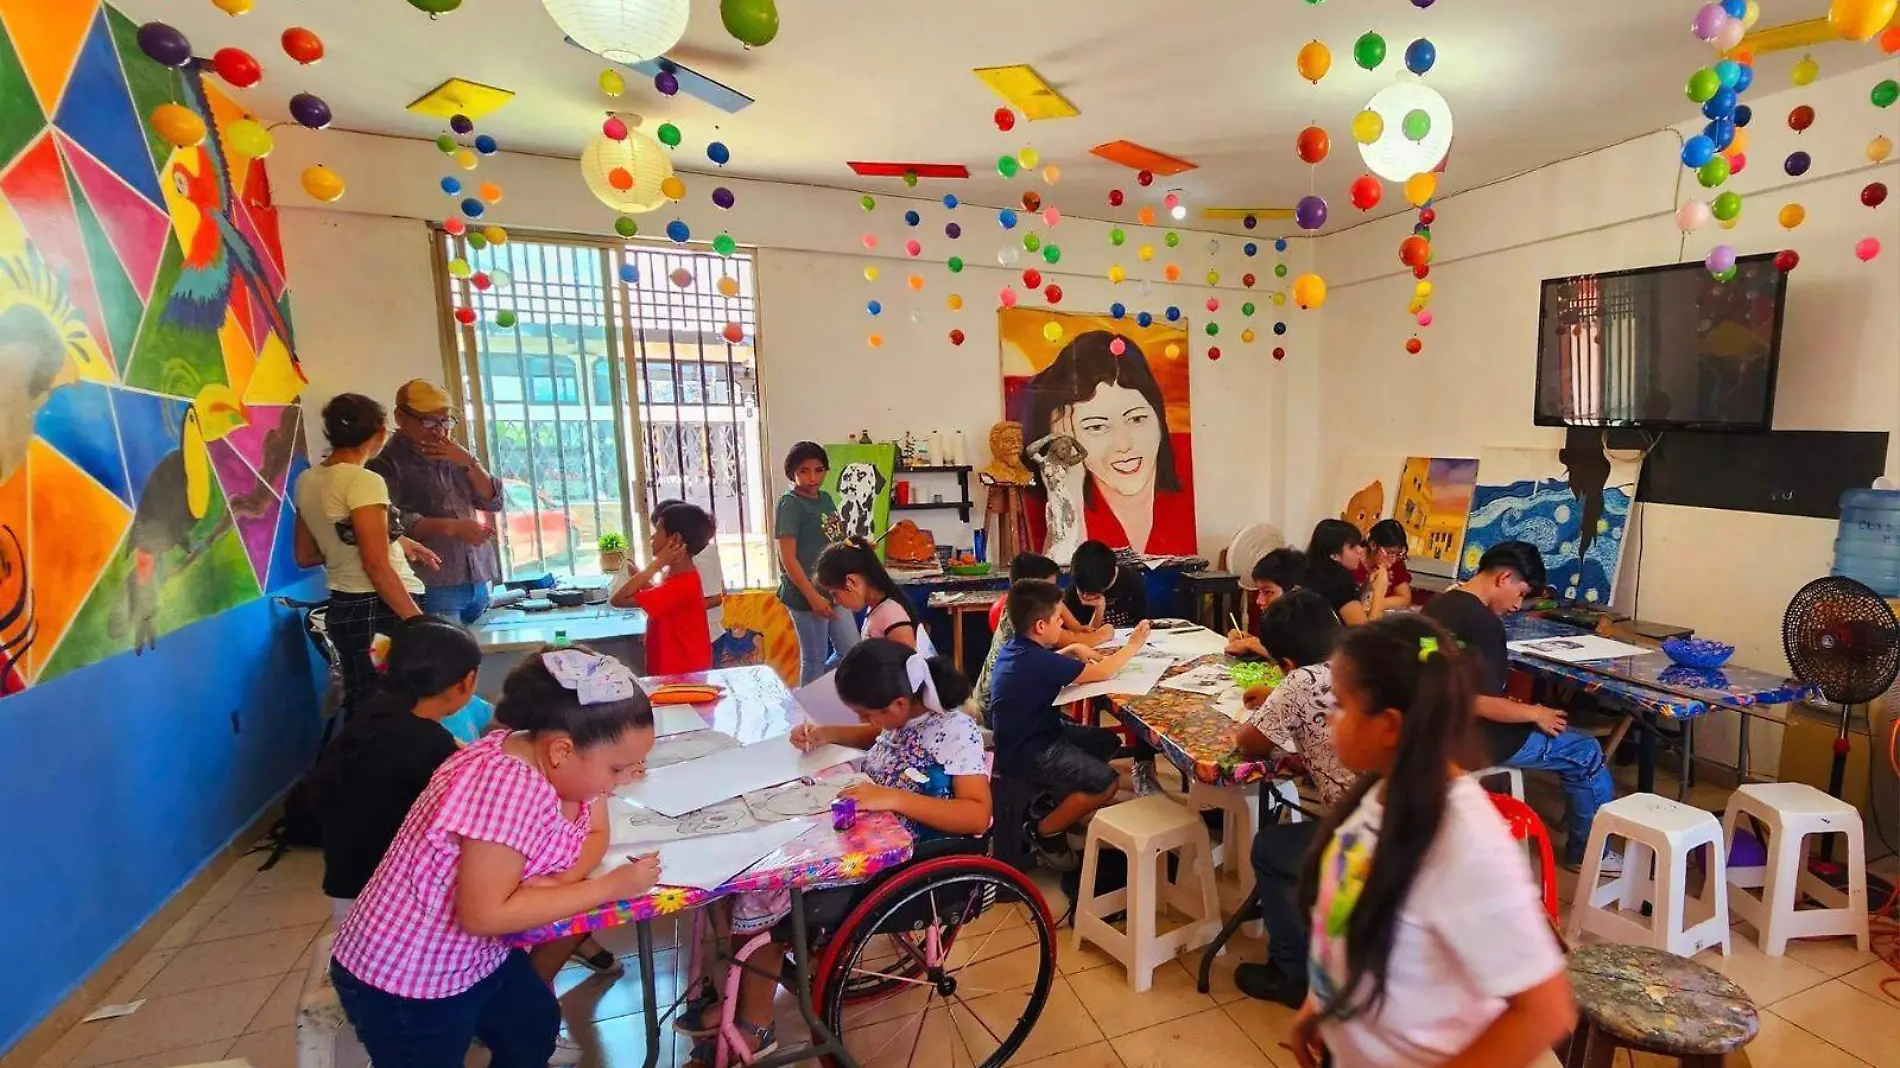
x=860 y=482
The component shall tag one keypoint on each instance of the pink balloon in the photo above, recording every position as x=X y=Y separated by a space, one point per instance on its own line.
x=870 y=240
x=1213 y=304
x=1117 y=347
x=1425 y=318
x=1693 y=215
x=913 y=247
x=1728 y=36
x=1051 y=216
x=615 y=128
x=1007 y=297
x=1867 y=249
x=1171 y=201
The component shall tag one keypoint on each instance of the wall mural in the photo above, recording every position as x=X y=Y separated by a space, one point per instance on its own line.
x=149 y=427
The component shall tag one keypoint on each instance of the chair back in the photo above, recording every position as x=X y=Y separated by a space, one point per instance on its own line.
x=1525 y=826
x=996 y=613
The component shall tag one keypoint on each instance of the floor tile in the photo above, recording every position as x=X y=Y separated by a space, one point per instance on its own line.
x=68 y=1047
x=176 y=1021
x=1767 y=979
x=1070 y=960
x=280 y=1009
x=1782 y=1043
x=299 y=869
x=275 y=1048
x=142 y=971
x=1095 y=1055
x=1266 y=1023
x=1832 y=956
x=267 y=911
x=1063 y=1025
x=227 y=960
x=1220 y=979
x=1118 y=1009
x=621 y=1043
x=587 y=996
x=1209 y=1037
x=206 y=1053
x=186 y=930
x=1854 y=1020
x=1870 y=977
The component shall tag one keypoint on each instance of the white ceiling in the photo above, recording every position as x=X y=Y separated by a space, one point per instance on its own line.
x=1212 y=82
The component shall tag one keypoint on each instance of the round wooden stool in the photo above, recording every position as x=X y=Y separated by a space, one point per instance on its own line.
x=1643 y=999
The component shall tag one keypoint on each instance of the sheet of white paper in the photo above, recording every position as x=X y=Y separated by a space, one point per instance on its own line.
x=1208 y=680
x=678 y=789
x=669 y=720
x=680 y=748
x=1229 y=704
x=1188 y=644
x=1115 y=640
x=113 y=1012
x=629 y=825
x=708 y=863
x=1576 y=650
x=1138 y=677
x=819 y=698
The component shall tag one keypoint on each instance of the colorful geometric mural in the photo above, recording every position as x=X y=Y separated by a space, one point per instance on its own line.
x=149 y=427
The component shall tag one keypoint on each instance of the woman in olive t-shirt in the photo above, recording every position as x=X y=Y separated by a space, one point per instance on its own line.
x=805 y=522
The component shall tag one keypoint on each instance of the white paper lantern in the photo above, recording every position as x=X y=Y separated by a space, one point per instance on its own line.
x=624 y=31
x=641 y=156
x=1395 y=157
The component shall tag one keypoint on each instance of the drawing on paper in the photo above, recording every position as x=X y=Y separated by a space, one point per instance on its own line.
x=683 y=747
x=798 y=799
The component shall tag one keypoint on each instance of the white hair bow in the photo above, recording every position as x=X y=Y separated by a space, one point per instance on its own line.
x=594 y=678
x=917 y=671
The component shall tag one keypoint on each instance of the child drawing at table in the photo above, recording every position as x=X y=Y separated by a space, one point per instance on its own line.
x=500 y=841
x=1275 y=575
x=925 y=762
x=1033 y=566
x=1429 y=943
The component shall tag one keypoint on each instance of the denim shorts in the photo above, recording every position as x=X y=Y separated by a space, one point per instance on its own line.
x=1077 y=762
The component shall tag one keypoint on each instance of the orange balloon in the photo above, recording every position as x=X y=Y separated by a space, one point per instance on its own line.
x=1312 y=144
x=490 y=192
x=1415 y=251
x=915 y=281
x=1890 y=40
x=1146 y=216
x=1172 y=272
x=620 y=179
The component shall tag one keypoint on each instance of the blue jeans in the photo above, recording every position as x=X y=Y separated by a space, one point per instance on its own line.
x=512 y=1011
x=1279 y=851
x=460 y=604
x=821 y=641
x=1578 y=761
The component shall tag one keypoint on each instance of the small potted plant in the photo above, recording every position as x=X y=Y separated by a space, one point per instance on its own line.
x=613 y=551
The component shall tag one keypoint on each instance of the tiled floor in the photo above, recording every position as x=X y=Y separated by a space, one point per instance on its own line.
x=224 y=983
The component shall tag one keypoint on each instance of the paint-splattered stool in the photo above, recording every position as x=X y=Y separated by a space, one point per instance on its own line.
x=1649 y=1001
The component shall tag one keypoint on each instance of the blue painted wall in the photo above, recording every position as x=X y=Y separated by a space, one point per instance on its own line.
x=119 y=782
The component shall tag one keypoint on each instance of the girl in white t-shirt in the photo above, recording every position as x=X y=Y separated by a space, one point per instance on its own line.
x=852 y=575
x=1429 y=943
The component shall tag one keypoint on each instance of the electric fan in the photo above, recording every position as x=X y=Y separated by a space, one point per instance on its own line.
x=1248 y=546
x=1841 y=636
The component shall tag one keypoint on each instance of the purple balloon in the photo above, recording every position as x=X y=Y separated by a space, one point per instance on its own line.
x=723 y=198
x=310 y=110
x=1721 y=258
x=666 y=82
x=1709 y=20
x=1797 y=164
x=462 y=124
x=1310 y=212
x=1421 y=4
x=952 y=231
x=164 y=44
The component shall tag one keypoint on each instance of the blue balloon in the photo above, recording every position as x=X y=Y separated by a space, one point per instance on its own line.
x=1144 y=319
x=874 y=308
x=1719 y=106
x=1249 y=249
x=1007 y=218
x=1720 y=131
x=1174 y=314
x=718 y=153
x=678 y=231
x=451 y=186
x=486 y=145
x=1729 y=72
x=1735 y=8
x=1743 y=115
x=1279 y=328
x=949 y=200
x=1698 y=150
x=473 y=207
x=1745 y=79
x=1420 y=55
x=1116 y=311
x=629 y=273
x=1279 y=243
x=911 y=218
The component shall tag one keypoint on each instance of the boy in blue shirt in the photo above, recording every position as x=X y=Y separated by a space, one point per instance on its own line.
x=1033 y=740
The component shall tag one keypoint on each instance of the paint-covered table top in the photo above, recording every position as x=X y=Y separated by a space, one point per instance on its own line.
x=1651 y=681
x=755 y=706
x=1657 y=1002
x=1191 y=732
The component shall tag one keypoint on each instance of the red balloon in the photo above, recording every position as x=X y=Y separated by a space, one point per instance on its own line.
x=480 y=280
x=1247 y=280
x=1366 y=192
x=1738 y=163
x=1414 y=346
x=1800 y=118
x=1279 y=354
x=956 y=337
x=237 y=67
x=1874 y=195
x=1787 y=260
x=454 y=227
x=1421 y=271
x=1053 y=294
x=733 y=333
x=1032 y=278
x=1312 y=145
x=302 y=45
x=1213 y=352
x=1415 y=251
x=1145 y=177
x=465 y=316
x=1428 y=216
x=1890 y=40
x=1005 y=119
x=1032 y=201
x=1115 y=198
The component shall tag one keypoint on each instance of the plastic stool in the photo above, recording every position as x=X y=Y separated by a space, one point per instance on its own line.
x=1663 y=832
x=1515 y=775
x=325 y=1038
x=1147 y=829
x=1791 y=812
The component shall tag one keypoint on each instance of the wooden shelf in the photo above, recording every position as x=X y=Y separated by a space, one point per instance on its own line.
x=939 y=469
x=962 y=508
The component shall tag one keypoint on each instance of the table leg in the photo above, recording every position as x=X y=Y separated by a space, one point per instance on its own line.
x=824 y=1043
x=957 y=619
x=1741 y=749
x=643 y=933
x=1688 y=760
x=1646 y=753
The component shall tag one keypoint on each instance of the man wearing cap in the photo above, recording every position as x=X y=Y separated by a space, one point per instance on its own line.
x=439 y=487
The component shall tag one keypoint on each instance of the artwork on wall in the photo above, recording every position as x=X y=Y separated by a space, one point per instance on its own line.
x=1572 y=503
x=149 y=427
x=1119 y=394
x=1363 y=489
x=1433 y=500
x=860 y=482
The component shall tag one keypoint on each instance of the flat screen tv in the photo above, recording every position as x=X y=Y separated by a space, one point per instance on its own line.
x=1661 y=348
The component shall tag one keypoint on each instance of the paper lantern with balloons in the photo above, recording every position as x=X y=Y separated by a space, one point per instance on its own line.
x=622 y=31
x=641 y=158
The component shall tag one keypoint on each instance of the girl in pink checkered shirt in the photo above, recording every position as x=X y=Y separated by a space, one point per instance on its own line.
x=498 y=842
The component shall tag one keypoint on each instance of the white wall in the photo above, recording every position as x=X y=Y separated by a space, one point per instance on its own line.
x=1727 y=574
x=367 y=319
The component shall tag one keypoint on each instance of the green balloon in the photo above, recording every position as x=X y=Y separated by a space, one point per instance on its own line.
x=1886 y=93
x=1247 y=308
x=477 y=241
x=1279 y=270
x=725 y=245
x=1369 y=51
x=1703 y=84
x=1032 y=242
x=1425 y=232
x=1713 y=173
x=1172 y=239
x=669 y=135
x=1051 y=254
x=1007 y=166
x=1727 y=206
x=446 y=144
x=625 y=226
x=1416 y=124
x=753 y=22
x=504 y=319
x=867 y=202
x=910 y=179
x=1725 y=276
x=1116 y=237
x=1212 y=329
x=435 y=7
x=955 y=264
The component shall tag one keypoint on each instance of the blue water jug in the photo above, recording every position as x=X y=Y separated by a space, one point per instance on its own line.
x=1867 y=546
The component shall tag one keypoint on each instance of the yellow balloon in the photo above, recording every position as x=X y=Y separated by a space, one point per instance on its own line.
x=495 y=235
x=1052 y=331
x=1315 y=60
x=1858 y=20
x=1213 y=278
x=322 y=183
x=1420 y=187
x=728 y=286
x=459 y=268
x=1028 y=157
x=232 y=7
x=1879 y=149
x=1279 y=298
x=915 y=281
x=954 y=302
x=248 y=137
x=1739 y=144
x=1309 y=291
x=1730 y=223
x=1416 y=306
x=1751 y=14
x=1367 y=126
x=870 y=274
x=612 y=83
x=1146 y=252
x=465 y=159
x=1052 y=174
x=1805 y=71
x=179 y=126
x=1117 y=274
x=1423 y=289
x=672 y=188
x=1792 y=215
x=1246 y=337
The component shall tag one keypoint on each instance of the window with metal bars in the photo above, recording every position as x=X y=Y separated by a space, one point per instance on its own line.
x=594 y=365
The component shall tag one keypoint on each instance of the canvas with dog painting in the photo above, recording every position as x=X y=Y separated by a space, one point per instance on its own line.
x=860 y=481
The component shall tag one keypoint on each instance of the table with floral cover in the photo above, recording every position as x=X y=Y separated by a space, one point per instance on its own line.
x=1651 y=681
x=1192 y=732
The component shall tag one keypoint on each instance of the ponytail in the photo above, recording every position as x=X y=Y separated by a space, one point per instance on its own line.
x=856 y=556
x=427 y=656
x=878 y=671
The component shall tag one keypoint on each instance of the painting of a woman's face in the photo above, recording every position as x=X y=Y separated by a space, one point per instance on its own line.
x=1122 y=433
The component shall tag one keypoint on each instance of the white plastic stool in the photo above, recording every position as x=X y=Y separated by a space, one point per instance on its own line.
x=1658 y=831
x=1516 y=776
x=1791 y=812
x=1146 y=830
x=325 y=1038
x=1239 y=808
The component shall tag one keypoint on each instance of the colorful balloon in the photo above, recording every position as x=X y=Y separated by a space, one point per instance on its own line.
x=625 y=226
x=956 y=337
x=719 y=153
x=178 y=126
x=248 y=137
x=1007 y=166
x=753 y=23
x=1703 y=84
x=725 y=245
x=1420 y=55
x=1713 y=173
x=1309 y=291
x=322 y=183
x=668 y=134
x=1004 y=119
x=1052 y=331
x=1367 y=191
x=1697 y=150
x=1800 y=118
x=1052 y=293
x=1727 y=206
x=1415 y=251
x=1310 y=213
x=237 y=67
x=672 y=188
x=612 y=83
x=1879 y=149
x=1857 y=20
x=1797 y=164
x=1867 y=249
x=310 y=111
x=1369 y=50
x=1885 y=93
x=1314 y=60
x=678 y=232
x=1787 y=260
x=1873 y=194
x=164 y=44
x=1420 y=188
x=723 y=199
x=1692 y=216
x=1367 y=126
x=1805 y=71
x=1791 y=216
x=1311 y=145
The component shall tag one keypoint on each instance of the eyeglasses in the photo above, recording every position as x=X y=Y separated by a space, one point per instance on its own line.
x=431 y=422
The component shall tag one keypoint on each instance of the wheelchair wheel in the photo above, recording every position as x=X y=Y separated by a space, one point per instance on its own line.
x=958 y=952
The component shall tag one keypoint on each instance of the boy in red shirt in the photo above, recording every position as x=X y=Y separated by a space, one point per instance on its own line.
x=677 y=639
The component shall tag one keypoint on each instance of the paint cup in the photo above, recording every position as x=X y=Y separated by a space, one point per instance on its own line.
x=844 y=813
